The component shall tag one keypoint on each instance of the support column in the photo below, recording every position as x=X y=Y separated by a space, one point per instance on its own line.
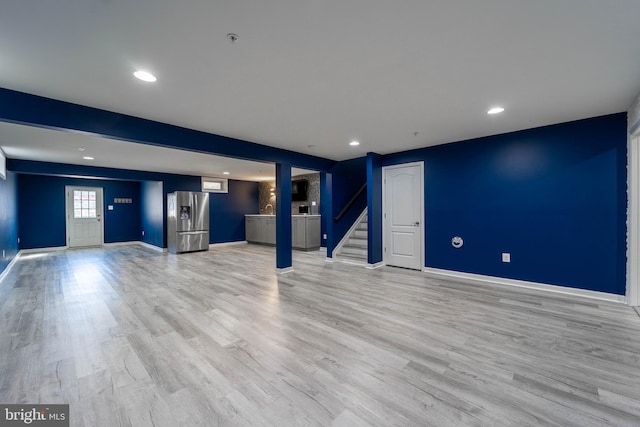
x=283 y=218
x=326 y=210
x=374 y=208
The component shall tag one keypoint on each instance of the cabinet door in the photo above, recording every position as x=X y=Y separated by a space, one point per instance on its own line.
x=270 y=231
x=252 y=229
x=313 y=233
x=298 y=232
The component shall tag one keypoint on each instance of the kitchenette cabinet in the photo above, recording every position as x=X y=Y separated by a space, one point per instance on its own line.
x=305 y=230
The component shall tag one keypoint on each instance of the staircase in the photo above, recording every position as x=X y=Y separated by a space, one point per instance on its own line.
x=353 y=247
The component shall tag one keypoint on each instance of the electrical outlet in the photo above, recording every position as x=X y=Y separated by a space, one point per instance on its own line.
x=324 y=236
x=18 y=240
x=506 y=257
x=143 y=232
x=3 y=253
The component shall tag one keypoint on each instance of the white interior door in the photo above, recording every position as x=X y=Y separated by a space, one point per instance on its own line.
x=403 y=215
x=84 y=216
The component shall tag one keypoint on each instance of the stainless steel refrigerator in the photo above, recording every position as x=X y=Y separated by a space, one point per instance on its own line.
x=187 y=221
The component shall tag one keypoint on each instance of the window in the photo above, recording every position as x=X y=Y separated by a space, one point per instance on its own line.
x=84 y=204
x=215 y=185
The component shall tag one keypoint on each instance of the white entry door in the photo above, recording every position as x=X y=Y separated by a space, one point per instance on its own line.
x=403 y=215
x=84 y=216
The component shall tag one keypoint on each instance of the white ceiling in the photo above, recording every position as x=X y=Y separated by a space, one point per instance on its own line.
x=32 y=143
x=310 y=76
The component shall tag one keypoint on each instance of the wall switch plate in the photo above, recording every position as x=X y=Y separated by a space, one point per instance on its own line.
x=313 y=203
x=143 y=232
x=324 y=236
x=3 y=253
x=110 y=207
x=506 y=257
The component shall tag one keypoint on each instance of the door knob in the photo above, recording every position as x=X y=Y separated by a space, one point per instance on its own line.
x=417 y=223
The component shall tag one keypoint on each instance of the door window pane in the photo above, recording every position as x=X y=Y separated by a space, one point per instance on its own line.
x=84 y=204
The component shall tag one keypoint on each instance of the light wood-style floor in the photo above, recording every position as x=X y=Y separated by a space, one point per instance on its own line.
x=133 y=337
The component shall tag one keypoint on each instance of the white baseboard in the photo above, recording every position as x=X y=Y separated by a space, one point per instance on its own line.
x=218 y=245
x=38 y=250
x=130 y=242
x=327 y=259
x=603 y=296
x=376 y=265
x=5 y=273
x=281 y=271
x=154 y=247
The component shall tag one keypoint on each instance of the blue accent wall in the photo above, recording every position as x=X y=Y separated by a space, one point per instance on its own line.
x=152 y=217
x=227 y=211
x=347 y=178
x=8 y=219
x=326 y=211
x=41 y=205
x=553 y=197
x=283 y=217
x=374 y=208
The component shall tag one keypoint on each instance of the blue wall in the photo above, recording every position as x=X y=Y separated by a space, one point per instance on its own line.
x=41 y=206
x=8 y=219
x=152 y=202
x=347 y=178
x=554 y=197
x=227 y=211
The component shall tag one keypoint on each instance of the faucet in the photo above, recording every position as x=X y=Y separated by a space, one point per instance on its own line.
x=269 y=205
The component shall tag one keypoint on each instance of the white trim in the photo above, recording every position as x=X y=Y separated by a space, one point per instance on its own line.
x=376 y=265
x=128 y=243
x=37 y=250
x=422 y=201
x=281 y=271
x=524 y=284
x=327 y=259
x=633 y=221
x=5 y=273
x=154 y=247
x=345 y=238
x=351 y=261
x=223 y=244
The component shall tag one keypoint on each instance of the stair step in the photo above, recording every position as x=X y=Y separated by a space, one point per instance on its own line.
x=353 y=250
x=362 y=234
x=356 y=242
x=355 y=258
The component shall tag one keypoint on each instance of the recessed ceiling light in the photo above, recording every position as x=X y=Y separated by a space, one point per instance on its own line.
x=354 y=143
x=495 y=110
x=226 y=173
x=145 y=76
x=88 y=158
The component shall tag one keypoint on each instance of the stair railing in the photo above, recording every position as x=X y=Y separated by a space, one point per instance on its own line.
x=350 y=203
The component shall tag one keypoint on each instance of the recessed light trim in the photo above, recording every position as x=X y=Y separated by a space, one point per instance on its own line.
x=88 y=158
x=495 y=110
x=145 y=76
x=354 y=143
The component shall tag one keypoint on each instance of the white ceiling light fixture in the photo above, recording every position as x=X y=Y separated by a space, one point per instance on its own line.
x=226 y=173
x=354 y=143
x=88 y=158
x=145 y=76
x=495 y=110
